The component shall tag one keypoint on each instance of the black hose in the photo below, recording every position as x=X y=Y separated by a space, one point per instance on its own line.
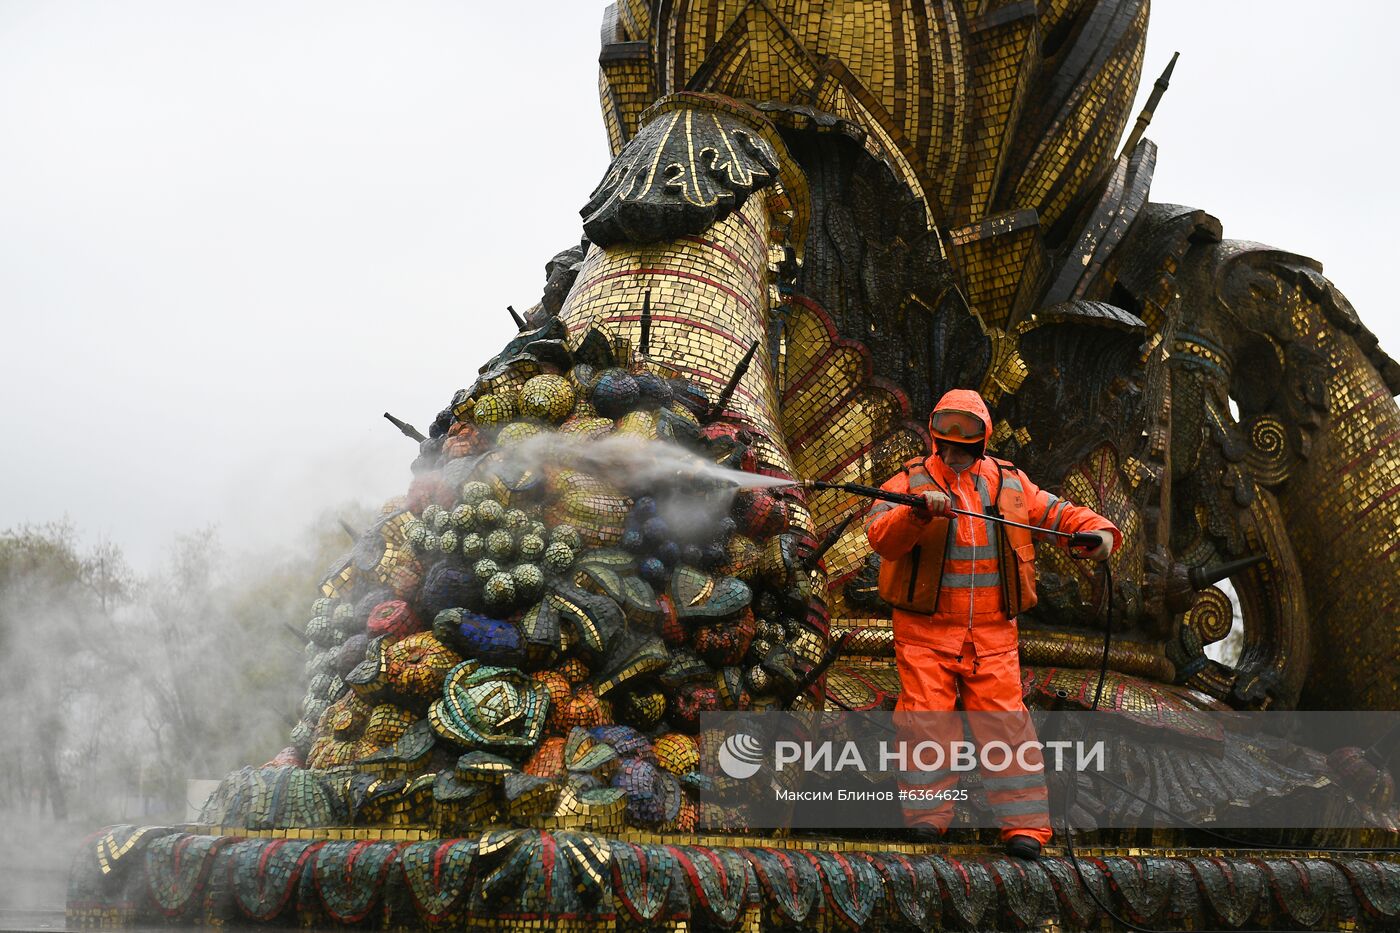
x=1072 y=791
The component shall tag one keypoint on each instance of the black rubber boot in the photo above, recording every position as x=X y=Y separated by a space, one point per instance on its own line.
x=1023 y=847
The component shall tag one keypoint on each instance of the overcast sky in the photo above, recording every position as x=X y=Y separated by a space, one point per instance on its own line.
x=232 y=234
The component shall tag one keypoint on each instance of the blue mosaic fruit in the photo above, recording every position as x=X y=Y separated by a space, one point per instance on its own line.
x=615 y=393
x=653 y=570
x=652 y=389
x=656 y=530
x=644 y=508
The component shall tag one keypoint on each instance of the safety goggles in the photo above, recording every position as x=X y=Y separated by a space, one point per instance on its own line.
x=957 y=426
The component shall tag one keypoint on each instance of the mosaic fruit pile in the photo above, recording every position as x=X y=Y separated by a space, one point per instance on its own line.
x=532 y=633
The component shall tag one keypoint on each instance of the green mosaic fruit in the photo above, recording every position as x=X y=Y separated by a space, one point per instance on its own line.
x=531 y=547
x=442 y=520
x=475 y=491
x=515 y=520
x=473 y=545
x=430 y=514
x=343 y=619
x=322 y=606
x=485 y=569
x=517 y=432
x=447 y=542
x=528 y=580
x=430 y=542
x=537 y=528
x=547 y=397
x=313 y=707
x=500 y=591
x=319 y=686
x=500 y=544
x=320 y=631
x=567 y=534
x=496 y=408
x=558 y=557
x=463 y=517
x=489 y=513
x=302 y=734
x=415 y=532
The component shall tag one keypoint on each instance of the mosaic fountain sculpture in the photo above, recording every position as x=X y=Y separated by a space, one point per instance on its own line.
x=812 y=226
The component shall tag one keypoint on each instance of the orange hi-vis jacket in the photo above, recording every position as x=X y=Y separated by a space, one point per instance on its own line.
x=958 y=579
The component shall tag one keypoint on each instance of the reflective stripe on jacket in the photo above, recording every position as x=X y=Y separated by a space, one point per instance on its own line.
x=959 y=566
x=959 y=578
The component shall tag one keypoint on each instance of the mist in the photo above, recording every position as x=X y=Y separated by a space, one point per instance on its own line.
x=118 y=685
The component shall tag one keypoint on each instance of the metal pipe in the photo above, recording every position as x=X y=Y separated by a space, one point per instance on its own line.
x=718 y=408
x=644 y=346
x=826 y=544
x=1202 y=577
x=407 y=429
x=813 y=675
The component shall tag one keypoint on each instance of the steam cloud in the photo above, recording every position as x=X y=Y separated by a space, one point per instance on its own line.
x=116 y=687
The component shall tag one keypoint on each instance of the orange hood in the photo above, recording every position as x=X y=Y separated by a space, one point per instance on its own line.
x=969 y=401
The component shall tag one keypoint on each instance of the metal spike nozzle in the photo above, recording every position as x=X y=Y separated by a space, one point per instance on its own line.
x=1202 y=577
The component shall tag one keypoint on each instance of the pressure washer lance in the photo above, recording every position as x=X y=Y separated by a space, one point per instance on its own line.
x=811 y=677
x=1076 y=539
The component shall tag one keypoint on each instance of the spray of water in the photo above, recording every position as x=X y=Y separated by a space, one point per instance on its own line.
x=630 y=462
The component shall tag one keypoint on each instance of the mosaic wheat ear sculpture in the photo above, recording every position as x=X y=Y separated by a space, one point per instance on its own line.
x=815 y=222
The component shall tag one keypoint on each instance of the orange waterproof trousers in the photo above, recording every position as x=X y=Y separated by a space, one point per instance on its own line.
x=934 y=681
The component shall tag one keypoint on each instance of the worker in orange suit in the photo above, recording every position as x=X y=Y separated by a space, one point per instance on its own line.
x=956 y=585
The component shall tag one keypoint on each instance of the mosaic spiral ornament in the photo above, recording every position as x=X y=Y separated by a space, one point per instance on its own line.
x=1270 y=456
x=1212 y=615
